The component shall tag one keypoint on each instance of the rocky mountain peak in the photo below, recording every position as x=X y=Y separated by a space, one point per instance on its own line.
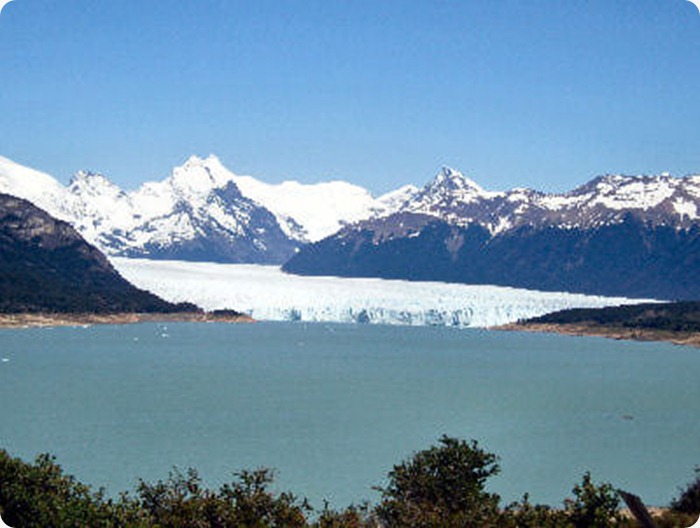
x=92 y=184
x=202 y=200
x=453 y=180
x=29 y=224
x=199 y=176
x=211 y=162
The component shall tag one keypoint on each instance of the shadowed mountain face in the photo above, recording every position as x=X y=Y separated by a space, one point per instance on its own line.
x=630 y=258
x=46 y=266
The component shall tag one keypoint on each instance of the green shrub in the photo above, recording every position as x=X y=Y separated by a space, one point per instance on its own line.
x=689 y=499
x=524 y=514
x=441 y=486
x=40 y=495
x=593 y=506
x=181 y=502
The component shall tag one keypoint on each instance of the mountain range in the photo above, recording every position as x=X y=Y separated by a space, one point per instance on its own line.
x=615 y=235
x=636 y=236
x=201 y=212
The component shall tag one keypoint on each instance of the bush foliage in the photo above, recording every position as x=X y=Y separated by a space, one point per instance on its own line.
x=689 y=499
x=443 y=486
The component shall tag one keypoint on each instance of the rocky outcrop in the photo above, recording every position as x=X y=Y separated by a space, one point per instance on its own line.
x=46 y=266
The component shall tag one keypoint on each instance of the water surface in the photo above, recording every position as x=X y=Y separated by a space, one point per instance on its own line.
x=333 y=407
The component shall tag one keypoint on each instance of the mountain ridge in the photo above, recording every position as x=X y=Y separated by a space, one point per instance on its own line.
x=203 y=211
x=633 y=236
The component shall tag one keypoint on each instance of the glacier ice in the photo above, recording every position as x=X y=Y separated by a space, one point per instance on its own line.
x=266 y=293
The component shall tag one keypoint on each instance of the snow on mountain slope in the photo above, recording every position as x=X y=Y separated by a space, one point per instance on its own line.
x=305 y=212
x=202 y=207
x=660 y=200
x=193 y=183
x=310 y=212
x=42 y=190
x=199 y=213
x=196 y=213
x=91 y=203
x=618 y=192
x=200 y=201
x=452 y=197
x=268 y=294
x=394 y=201
x=100 y=208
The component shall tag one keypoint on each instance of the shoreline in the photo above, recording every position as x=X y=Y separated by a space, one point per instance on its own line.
x=611 y=332
x=43 y=319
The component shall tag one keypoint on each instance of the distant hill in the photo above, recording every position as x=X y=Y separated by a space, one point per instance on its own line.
x=46 y=266
x=678 y=322
x=674 y=317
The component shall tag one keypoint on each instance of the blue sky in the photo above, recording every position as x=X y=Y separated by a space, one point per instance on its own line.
x=536 y=93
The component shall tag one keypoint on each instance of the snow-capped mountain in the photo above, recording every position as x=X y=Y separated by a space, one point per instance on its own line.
x=308 y=213
x=659 y=200
x=197 y=213
x=616 y=235
x=202 y=211
x=42 y=190
x=98 y=207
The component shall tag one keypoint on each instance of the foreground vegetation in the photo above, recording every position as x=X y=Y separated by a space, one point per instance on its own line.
x=443 y=486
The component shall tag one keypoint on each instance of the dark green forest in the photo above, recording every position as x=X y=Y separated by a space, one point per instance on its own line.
x=442 y=486
x=671 y=317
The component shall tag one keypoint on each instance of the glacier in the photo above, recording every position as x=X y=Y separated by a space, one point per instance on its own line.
x=268 y=294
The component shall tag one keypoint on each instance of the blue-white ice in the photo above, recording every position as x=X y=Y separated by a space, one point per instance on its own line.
x=266 y=293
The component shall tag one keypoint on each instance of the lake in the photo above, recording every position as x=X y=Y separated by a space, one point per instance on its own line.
x=332 y=407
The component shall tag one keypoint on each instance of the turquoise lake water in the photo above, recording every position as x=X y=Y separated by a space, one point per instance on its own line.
x=333 y=407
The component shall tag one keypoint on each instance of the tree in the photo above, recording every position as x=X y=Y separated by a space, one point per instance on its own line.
x=524 y=514
x=441 y=486
x=593 y=505
x=181 y=501
x=353 y=516
x=40 y=495
x=689 y=500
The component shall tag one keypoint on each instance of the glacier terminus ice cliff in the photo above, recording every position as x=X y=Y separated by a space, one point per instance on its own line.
x=268 y=294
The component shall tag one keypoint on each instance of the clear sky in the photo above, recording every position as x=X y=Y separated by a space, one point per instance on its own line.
x=537 y=93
